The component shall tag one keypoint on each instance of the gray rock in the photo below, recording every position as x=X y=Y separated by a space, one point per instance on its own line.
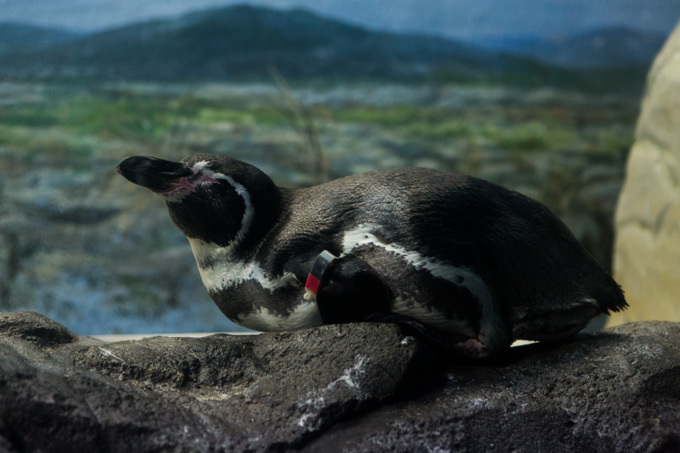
x=614 y=391
x=34 y=328
x=221 y=392
x=356 y=387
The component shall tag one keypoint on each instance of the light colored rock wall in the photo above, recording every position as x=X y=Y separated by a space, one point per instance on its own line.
x=647 y=249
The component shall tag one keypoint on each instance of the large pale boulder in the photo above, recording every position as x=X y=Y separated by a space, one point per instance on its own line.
x=647 y=249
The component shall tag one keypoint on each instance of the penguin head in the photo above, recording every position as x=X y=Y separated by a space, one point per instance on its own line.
x=212 y=198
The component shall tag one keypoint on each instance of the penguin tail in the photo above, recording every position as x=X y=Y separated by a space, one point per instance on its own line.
x=611 y=298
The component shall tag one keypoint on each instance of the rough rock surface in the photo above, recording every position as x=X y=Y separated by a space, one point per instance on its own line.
x=356 y=387
x=647 y=250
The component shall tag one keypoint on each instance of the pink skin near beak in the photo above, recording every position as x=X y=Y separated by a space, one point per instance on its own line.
x=191 y=186
x=182 y=184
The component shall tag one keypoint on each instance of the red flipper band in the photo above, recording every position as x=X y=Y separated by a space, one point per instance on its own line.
x=315 y=278
x=313 y=284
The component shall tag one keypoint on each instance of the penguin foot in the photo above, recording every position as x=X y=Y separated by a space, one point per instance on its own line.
x=448 y=344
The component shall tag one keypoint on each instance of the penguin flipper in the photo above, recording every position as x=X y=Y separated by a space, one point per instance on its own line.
x=352 y=291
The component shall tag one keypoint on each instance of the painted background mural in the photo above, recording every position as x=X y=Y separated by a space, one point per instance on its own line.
x=542 y=99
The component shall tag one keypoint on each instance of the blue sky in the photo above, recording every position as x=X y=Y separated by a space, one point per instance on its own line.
x=453 y=18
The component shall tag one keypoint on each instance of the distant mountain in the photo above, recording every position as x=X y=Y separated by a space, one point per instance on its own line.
x=614 y=47
x=28 y=38
x=457 y=19
x=241 y=42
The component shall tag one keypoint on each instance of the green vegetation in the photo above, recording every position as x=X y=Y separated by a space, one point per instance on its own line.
x=148 y=117
x=70 y=126
x=540 y=131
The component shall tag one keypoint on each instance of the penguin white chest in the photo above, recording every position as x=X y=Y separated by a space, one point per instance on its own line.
x=219 y=272
x=304 y=315
x=221 y=275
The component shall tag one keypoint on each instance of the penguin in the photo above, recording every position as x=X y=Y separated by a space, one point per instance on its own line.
x=441 y=251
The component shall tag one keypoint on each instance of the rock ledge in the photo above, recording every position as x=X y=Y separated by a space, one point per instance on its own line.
x=355 y=387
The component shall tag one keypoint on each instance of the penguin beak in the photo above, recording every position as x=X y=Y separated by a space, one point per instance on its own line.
x=155 y=174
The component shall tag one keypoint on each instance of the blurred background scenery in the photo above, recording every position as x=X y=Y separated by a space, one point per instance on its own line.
x=539 y=97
